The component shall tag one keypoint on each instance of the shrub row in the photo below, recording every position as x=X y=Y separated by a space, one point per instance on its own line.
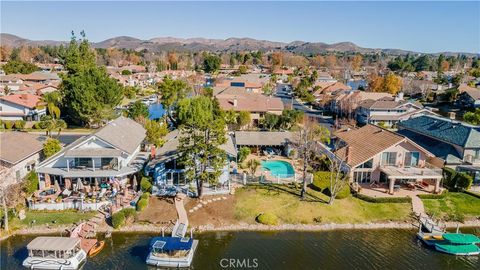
x=456 y=181
x=474 y=194
x=142 y=203
x=18 y=124
x=145 y=184
x=433 y=196
x=383 y=199
x=119 y=218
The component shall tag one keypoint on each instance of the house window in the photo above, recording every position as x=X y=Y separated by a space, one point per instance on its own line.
x=367 y=165
x=411 y=159
x=476 y=154
x=389 y=158
x=87 y=162
x=362 y=177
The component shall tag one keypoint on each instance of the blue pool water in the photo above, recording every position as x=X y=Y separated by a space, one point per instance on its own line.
x=279 y=168
x=156 y=111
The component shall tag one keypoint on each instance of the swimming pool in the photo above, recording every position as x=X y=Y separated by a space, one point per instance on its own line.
x=279 y=168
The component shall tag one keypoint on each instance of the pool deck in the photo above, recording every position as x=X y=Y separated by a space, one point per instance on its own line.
x=266 y=173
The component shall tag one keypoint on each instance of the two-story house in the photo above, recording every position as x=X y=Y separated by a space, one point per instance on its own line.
x=455 y=142
x=21 y=107
x=374 y=154
x=20 y=153
x=113 y=153
x=388 y=111
x=167 y=171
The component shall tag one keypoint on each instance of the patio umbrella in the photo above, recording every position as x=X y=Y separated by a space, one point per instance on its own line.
x=80 y=185
x=68 y=183
x=96 y=183
x=134 y=184
x=57 y=186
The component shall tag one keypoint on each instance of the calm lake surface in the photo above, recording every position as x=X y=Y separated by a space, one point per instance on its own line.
x=352 y=249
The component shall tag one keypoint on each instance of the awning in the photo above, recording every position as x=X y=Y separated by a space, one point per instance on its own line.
x=171 y=243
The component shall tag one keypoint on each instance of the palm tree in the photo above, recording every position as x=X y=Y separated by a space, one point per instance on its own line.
x=60 y=124
x=253 y=165
x=52 y=100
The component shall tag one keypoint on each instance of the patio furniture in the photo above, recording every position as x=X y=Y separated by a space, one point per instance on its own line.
x=102 y=192
x=396 y=187
x=66 y=192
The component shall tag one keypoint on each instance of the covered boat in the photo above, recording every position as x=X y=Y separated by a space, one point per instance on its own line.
x=48 y=252
x=171 y=251
x=458 y=244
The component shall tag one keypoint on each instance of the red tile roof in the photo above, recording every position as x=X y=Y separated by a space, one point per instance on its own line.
x=26 y=100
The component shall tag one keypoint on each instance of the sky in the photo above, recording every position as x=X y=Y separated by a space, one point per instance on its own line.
x=418 y=26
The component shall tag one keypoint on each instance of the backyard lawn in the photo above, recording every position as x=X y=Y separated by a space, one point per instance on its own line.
x=55 y=217
x=284 y=202
x=456 y=206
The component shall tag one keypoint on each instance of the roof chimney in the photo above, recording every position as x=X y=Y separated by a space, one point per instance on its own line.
x=452 y=115
x=235 y=102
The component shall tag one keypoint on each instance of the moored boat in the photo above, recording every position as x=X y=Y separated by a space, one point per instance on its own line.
x=171 y=251
x=54 y=253
x=96 y=248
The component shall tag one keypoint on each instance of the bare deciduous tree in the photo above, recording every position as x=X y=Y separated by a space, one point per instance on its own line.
x=306 y=142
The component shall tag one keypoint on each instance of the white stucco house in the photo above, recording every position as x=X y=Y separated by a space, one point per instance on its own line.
x=21 y=107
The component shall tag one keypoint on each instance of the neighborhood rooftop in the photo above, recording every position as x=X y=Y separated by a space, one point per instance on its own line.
x=263 y=137
x=123 y=133
x=365 y=142
x=13 y=152
x=447 y=130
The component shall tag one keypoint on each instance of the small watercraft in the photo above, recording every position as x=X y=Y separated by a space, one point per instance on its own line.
x=96 y=248
x=48 y=252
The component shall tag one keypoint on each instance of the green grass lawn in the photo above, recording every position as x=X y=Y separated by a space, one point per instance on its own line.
x=55 y=217
x=455 y=206
x=285 y=203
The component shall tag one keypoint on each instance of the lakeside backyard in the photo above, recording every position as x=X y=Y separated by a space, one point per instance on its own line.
x=454 y=206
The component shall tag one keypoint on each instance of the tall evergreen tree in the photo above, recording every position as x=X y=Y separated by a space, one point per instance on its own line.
x=89 y=93
x=202 y=133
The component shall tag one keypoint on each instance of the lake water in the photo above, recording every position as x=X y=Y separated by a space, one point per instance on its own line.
x=156 y=111
x=344 y=249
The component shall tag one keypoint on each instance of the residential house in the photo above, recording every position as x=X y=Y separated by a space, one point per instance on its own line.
x=251 y=82
x=167 y=171
x=468 y=96
x=20 y=153
x=374 y=154
x=455 y=142
x=346 y=102
x=325 y=90
x=257 y=104
x=21 y=107
x=112 y=153
x=388 y=111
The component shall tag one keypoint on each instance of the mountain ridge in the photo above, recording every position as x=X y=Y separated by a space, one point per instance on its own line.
x=217 y=45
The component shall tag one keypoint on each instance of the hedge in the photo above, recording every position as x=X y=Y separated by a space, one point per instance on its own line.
x=20 y=124
x=456 y=181
x=321 y=182
x=118 y=219
x=8 y=124
x=433 y=196
x=129 y=212
x=142 y=204
x=383 y=199
x=145 y=195
x=474 y=194
x=267 y=219
x=145 y=184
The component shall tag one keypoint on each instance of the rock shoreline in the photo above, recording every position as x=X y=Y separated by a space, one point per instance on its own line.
x=152 y=228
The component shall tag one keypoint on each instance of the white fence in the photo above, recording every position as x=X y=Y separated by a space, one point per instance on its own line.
x=76 y=204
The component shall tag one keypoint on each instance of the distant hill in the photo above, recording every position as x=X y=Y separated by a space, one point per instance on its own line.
x=215 y=45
